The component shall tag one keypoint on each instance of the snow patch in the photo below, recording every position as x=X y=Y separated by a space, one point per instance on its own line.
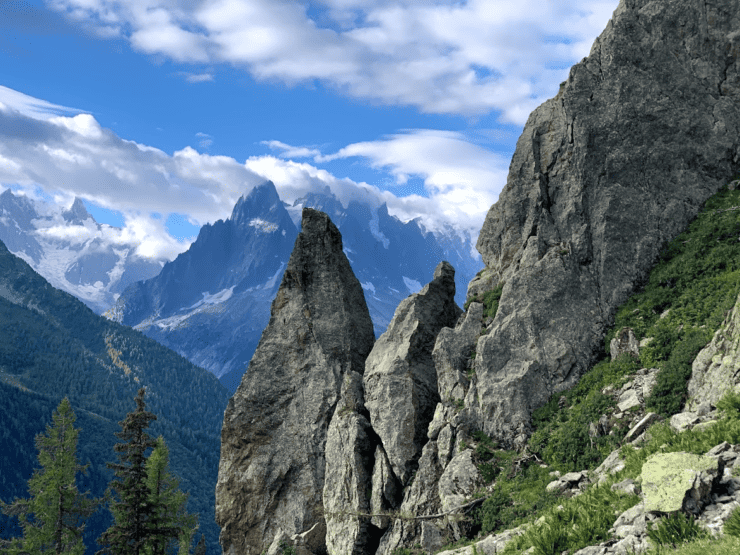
x=216 y=298
x=412 y=285
x=375 y=230
x=261 y=225
x=368 y=286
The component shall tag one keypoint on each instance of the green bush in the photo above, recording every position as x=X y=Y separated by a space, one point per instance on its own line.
x=489 y=299
x=671 y=387
x=674 y=530
x=732 y=524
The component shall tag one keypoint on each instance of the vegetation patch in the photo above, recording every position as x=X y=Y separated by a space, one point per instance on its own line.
x=489 y=299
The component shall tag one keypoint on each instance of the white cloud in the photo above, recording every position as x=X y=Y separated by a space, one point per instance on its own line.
x=456 y=57
x=205 y=141
x=288 y=151
x=197 y=77
x=75 y=156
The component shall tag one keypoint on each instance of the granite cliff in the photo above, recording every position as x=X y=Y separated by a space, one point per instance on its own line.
x=640 y=135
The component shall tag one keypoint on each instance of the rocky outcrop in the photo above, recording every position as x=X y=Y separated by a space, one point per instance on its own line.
x=400 y=378
x=716 y=368
x=644 y=130
x=350 y=448
x=679 y=481
x=274 y=436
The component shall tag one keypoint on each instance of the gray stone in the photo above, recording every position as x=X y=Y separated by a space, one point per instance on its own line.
x=349 y=467
x=490 y=545
x=678 y=481
x=445 y=444
x=628 y=400
x=642 y=132
x=683 y=421
x=459 y=481
x=627 y=486
x=716 y=369
x=452 y=352
x=641 y=426
x=386 y=491
x=611 y=465
x=400 y=378
x=624 y=342
x=421 y=498
x=592 y=550
x=271 y=471
x=306 y=543
x=431 y=537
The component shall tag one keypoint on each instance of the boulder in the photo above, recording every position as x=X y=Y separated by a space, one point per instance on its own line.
x=273 y=440
x=641 y=426
x=684 y=420
x=400 y=378
x=678 y=482
x=716 y=369
x=624 y=342
x=642 y=132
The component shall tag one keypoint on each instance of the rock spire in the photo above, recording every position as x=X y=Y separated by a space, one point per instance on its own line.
x=271 y=473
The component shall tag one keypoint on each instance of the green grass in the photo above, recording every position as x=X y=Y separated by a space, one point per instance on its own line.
x=727 y=545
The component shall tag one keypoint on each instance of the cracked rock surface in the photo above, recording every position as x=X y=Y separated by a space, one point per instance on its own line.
x=273 y=441
x=642 y=132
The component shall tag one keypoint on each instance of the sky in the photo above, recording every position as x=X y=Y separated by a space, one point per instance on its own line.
x=160 y=114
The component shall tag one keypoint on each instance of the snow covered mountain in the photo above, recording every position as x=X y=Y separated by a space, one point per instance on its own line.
x=68 y=249
x=213 y=301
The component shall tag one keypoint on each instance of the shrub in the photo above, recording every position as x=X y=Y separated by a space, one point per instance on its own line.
x=674 y=530
x=732 y=524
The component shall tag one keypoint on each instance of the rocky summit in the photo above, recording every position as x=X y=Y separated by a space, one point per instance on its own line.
x=641 y=133
x=271 y=472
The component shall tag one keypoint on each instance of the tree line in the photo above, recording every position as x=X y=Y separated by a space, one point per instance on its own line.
x=146 y=503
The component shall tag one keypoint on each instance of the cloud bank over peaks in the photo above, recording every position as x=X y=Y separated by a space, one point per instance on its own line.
x=71 y=155
x=447 y=57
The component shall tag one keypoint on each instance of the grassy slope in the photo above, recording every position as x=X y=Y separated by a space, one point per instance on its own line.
x=684 y=301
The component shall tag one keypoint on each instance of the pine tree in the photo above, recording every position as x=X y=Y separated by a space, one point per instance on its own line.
x=51 y=517
x=170 y=520
x=134 y=511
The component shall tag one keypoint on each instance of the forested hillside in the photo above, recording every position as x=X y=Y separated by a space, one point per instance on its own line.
x=54 y=346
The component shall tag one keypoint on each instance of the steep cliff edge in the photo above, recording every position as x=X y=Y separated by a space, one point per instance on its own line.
x=643 y=131
x=271 y=472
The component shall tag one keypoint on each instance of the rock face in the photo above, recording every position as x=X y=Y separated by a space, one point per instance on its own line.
x=274 y=436
x=400 y=377
x=644 y=130
x=716 y=368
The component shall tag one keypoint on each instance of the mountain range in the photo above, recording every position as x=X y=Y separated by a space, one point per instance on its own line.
x=212 y=302
x=68 y=248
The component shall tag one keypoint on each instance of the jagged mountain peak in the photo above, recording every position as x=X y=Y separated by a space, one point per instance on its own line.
x=77 y=213
x=261 y=200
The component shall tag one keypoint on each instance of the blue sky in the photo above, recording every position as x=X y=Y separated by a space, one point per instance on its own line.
x=161 y=113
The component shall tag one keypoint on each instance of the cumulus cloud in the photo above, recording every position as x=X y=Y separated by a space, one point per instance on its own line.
x=448 y=56
x=72 y=155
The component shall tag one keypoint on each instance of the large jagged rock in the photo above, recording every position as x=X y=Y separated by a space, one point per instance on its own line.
x=642 y=132
x=452 y=352
x=350 y=447
x=271 y=473
x=716 y=368
x=400 y=377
